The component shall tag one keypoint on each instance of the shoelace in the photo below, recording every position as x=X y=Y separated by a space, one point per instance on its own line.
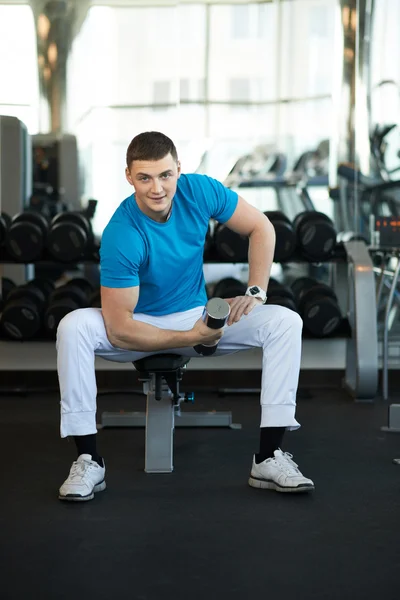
x=287 y=464
x=79 y=469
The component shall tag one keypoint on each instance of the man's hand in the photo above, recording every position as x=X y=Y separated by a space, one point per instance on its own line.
x=205 y=335
x=241 y=305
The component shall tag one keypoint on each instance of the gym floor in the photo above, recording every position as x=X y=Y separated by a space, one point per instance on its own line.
x=202 y=532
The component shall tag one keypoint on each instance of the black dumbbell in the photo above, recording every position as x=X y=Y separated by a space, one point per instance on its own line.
x=6 y=286
x=5 y=222
x=70 y=236
x=229 y=288
x=280 y=295
x=95 y=299
x=317 y=305
x=22 y=315
x=286 y=241
x=230 y=245
x=94 y=251
x=64 y=299
x=25 y=237
x=316 y=235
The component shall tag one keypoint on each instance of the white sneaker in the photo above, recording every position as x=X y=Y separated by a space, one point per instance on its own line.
x=280 y=474
x=85 y=478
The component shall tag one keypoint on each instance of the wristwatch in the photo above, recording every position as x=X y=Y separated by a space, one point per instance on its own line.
x=256 y=292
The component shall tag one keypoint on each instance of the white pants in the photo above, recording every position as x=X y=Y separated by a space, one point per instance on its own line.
x=81 y=335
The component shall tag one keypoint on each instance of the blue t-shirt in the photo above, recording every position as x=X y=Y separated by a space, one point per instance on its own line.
x=165 y=259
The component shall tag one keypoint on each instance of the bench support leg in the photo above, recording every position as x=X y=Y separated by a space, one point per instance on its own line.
x=159 y=431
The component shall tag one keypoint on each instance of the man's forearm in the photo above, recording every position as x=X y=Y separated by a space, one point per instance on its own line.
x=261 y=255
x=142 y=337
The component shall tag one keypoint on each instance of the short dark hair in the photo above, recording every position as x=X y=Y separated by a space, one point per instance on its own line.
x=150 y=145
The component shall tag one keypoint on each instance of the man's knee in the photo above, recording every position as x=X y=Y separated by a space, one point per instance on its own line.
x=287 y=319
x=86 y=321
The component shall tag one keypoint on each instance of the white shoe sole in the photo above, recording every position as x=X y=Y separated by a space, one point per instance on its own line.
x=75 y=498
x=271 y=485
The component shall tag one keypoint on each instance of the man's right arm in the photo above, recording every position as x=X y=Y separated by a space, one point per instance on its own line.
x=118 y=305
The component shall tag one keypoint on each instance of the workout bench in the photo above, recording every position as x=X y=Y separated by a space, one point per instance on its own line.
x=161 y=375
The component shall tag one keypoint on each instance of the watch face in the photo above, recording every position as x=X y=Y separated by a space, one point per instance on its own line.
x=254 y=290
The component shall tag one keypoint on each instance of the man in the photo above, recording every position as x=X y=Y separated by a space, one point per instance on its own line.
x=153 y=295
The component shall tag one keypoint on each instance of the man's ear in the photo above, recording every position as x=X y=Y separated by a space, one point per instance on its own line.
x=179 y=168
x=128 y=176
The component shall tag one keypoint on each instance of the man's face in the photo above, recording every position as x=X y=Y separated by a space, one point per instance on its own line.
x=155 y=184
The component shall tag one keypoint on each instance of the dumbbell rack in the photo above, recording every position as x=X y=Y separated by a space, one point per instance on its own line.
x=355 y=277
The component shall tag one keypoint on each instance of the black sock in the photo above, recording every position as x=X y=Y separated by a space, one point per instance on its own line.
x=86 y=444
x=270 y=440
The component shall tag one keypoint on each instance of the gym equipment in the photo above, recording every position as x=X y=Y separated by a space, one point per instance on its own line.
x=161 y=374
x=95 y=251
x=55 y=164
x=215 y=316
x=286 y=240
x=317 y=305
x=95 y=299
x=230 y=246
x=350 y=236
x=6 y=286
x=25 y=238
x=15 y=168
x=64 y=299
x=312 y=165
x=280 y=294
x=70 y=236
x=5 y=222
x=316 y=235
x=261 y=162
x=379 y=146
x=387 y=269
x=22 y=315
x=229 y=288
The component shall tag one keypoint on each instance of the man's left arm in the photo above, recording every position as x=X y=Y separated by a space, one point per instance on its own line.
x=249 y=221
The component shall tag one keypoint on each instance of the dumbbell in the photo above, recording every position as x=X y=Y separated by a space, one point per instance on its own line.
x=215 y=316
x=95 y=250
x=70 y=236
x=316 y=235
x=230 y=245
x=95 y=299
x=5 y=222
x=6 y=286
x=229 y=288
x=26 y=235
x=317 y=305
x=22 y=315
x=286 y=241
x=280 y=295
x=64 y=299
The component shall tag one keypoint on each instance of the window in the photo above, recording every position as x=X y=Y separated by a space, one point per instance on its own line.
x=242 y=59
x=239 y=89
x=19 y=89
x=184 y=93
x=266 y=78
x=240 y=21
x=265 y=21
x=192 y=90
x=162 y=92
